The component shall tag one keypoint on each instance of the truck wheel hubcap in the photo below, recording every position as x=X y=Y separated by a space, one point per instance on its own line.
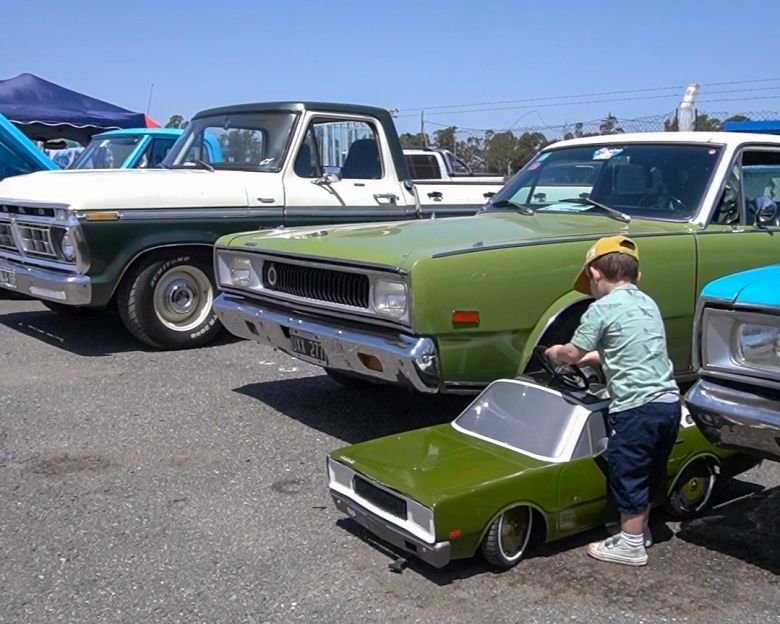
x=514 y=532
x=182 y=298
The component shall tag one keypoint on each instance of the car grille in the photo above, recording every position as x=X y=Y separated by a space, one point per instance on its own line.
x=36 y=240
x=6 y=239
x=392 y=504
x=342 y=287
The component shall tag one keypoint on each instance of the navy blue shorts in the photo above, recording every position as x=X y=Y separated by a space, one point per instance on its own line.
x=639 y=446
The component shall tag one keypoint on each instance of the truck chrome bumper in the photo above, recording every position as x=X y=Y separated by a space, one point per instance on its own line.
x=438 y=554
x=736 y=419
x=46 y=284
x=391 y=357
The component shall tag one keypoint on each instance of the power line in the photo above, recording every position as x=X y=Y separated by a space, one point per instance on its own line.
x=569 y=97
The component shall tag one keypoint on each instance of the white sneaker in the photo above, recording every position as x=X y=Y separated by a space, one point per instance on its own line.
x=615 y=550
x=613 y=528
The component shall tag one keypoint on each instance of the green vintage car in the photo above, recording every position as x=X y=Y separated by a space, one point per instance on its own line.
x=522 y=465
x=449 y=305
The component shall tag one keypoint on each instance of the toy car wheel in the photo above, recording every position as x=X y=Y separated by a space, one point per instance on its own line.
x=508 y=537
x=692 y=490
x=166 y=301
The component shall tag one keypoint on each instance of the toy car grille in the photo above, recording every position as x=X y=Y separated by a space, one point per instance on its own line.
x=383 y=499
x=342 y=287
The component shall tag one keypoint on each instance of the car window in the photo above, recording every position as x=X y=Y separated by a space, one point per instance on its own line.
x=350 y=147
x=423 y=166
x=753 y=185
x=155 y=153
x=526 y=418
x=587 y=445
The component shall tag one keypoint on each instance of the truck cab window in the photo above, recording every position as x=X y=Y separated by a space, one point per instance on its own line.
x=349 y=146
x=423 y=167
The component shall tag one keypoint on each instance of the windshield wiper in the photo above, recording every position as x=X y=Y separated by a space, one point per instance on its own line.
x=508 y=203
x=615 y=214
x=202 y=164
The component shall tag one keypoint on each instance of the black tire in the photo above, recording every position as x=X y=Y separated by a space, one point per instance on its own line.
x=692 y=490
x=509 y=537
x=165 y=301
x=68 y=310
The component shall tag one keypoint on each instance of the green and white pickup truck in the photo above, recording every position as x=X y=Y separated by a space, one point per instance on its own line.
x=141 y=240
x=448 y=305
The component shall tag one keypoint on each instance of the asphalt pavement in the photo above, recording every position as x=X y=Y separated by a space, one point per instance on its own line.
x=143 y=486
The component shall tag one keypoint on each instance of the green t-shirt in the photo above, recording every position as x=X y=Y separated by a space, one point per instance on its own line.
x=627 y=330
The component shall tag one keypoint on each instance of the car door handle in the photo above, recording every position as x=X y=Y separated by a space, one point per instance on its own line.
x=488 y=195
x=436 y=195
x=385 y=198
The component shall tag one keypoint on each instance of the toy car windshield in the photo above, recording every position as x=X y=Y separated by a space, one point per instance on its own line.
x=525 y=417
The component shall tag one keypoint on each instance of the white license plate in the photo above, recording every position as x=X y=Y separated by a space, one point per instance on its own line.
x=7 y=279
x=308 y=347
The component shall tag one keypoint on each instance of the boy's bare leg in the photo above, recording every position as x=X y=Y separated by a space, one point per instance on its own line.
x=634 y=524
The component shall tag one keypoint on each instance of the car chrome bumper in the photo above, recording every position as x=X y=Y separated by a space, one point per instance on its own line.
x=438 y=554
x=735 y=418
x=46 y=284
x=390 y=357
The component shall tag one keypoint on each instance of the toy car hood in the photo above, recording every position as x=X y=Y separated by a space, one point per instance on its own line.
x=18 y=154
x=434 y=463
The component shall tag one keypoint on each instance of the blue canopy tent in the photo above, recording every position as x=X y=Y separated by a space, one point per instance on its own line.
x=44 y=110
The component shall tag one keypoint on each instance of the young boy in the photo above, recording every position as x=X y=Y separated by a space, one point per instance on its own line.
x=623 y=331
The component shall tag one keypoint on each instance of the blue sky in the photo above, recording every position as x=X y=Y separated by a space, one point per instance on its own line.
x=403 y=54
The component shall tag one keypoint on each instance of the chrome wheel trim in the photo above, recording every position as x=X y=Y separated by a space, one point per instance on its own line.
x=183 y=298
x=694 y=493
x=514 y=532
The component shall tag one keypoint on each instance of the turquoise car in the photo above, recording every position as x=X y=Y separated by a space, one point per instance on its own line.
x=736 y=401
x=133 y=148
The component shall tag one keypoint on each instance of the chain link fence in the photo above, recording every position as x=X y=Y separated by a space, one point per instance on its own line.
x=506 y=150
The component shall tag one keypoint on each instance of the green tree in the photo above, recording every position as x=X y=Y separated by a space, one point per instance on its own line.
x=410 y=140
x=176 y=121
x=609 y=125
x=446 y=138
x=241 y=146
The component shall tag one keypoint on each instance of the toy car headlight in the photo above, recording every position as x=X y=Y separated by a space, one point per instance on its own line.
x=390 y=299
x=757 y=345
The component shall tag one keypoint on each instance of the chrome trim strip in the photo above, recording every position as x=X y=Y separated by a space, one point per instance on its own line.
x=42 y=284
x=315 y=260
x=28 y=203
x=191 y=213
x=400 y=354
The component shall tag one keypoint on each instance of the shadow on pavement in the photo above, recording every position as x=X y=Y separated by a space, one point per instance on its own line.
x=354 y=415
x=745 y=528
x=88 y=333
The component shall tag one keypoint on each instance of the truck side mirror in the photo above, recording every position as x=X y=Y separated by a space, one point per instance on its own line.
x=329 y=176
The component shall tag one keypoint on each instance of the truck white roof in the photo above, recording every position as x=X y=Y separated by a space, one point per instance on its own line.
x=732 y=139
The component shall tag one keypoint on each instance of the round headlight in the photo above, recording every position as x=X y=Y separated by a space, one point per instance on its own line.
x=68 y=247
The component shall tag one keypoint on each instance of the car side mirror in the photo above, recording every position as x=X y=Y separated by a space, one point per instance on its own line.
x=600 y=446
x=329 y=176
x=766 y=210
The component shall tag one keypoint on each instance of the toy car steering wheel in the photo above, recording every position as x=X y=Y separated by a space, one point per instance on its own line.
x=570 y=375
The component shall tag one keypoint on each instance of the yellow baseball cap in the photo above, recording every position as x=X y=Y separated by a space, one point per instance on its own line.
x=604 y=246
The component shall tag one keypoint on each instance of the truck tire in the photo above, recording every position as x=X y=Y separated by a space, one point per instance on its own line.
x=165 y=301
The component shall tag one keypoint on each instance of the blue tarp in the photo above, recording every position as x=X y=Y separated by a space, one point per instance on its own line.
x=44 y=110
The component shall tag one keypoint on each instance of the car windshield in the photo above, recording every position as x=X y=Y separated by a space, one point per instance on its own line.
x=653 y=181
x=527 y=418
x=240 y=141
x=106 y=153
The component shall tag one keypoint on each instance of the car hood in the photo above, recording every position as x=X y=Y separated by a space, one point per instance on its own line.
x=754 y=287
x=127 y=189
x=18 y=154
x=434 y=463
x=400 y=243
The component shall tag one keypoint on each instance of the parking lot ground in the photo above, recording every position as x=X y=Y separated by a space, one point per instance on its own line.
x=143 y=486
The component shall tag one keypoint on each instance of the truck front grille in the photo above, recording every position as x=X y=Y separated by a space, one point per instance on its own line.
x=342 y=287
x=36 y=240
x=6 y=238
x=392 y=504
